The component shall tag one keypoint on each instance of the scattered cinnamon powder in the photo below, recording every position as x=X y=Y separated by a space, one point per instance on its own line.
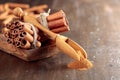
x=83 y=64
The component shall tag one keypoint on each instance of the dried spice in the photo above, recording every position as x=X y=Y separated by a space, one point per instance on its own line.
x=23 y=29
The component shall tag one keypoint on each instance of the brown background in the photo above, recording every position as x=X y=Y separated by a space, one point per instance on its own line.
x=94 y=25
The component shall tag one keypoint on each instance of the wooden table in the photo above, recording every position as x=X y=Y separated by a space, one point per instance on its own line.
x=95 y=24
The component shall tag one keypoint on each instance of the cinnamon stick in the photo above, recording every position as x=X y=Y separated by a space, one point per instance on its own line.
x=18 y=39
x=7 y=34
x=27 y=36
x=2 y=8
x=13 y=36
x=38 y=44
x=37 y=8
x=6 y=7
x=26 y=28
x=4 y=15
x=17 y=44
x=57 y=23
x=10 y=41
x=14 y=5
x=4 y=30
x=56 y=15
x=15 y=32
x=25 y=44
x=60 y=29
x=9 y=18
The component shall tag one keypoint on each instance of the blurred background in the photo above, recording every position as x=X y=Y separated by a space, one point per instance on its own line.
x=94 y=25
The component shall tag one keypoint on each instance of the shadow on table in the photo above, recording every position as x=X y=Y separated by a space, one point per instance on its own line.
x=11 y=63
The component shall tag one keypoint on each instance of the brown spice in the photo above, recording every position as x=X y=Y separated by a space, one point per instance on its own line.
x=57 y=23
x=60 y=29
x=14 y=5
x=56 y=15
x=37 y=8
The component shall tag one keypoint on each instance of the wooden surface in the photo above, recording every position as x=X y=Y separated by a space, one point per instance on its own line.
x=95 y=25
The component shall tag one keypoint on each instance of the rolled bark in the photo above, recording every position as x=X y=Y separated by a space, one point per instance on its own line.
x=14 y=5
x=38 y=44
x=60 y=29
x=4 y=30
x=56 y=15
x=17 y=43
x=10 y=41
x=27 y=36
x=37 y=8
x=57 y=23
x=8 y=19
x=7 y=34
x=4 y=15
x=25 y=44
x=29 y=54
x=2 y=8
x=25 y=28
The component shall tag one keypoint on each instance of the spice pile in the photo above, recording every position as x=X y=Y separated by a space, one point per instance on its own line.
x=30 y=27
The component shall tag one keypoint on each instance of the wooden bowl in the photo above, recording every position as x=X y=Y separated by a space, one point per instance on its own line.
x=28 y=55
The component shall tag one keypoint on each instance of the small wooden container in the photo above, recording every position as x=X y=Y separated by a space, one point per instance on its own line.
x=28 y=55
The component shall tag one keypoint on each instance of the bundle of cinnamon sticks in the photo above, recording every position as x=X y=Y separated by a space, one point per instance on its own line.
x=58 y=22
x=25 y=28
x=20 y=33
x=6 y=10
